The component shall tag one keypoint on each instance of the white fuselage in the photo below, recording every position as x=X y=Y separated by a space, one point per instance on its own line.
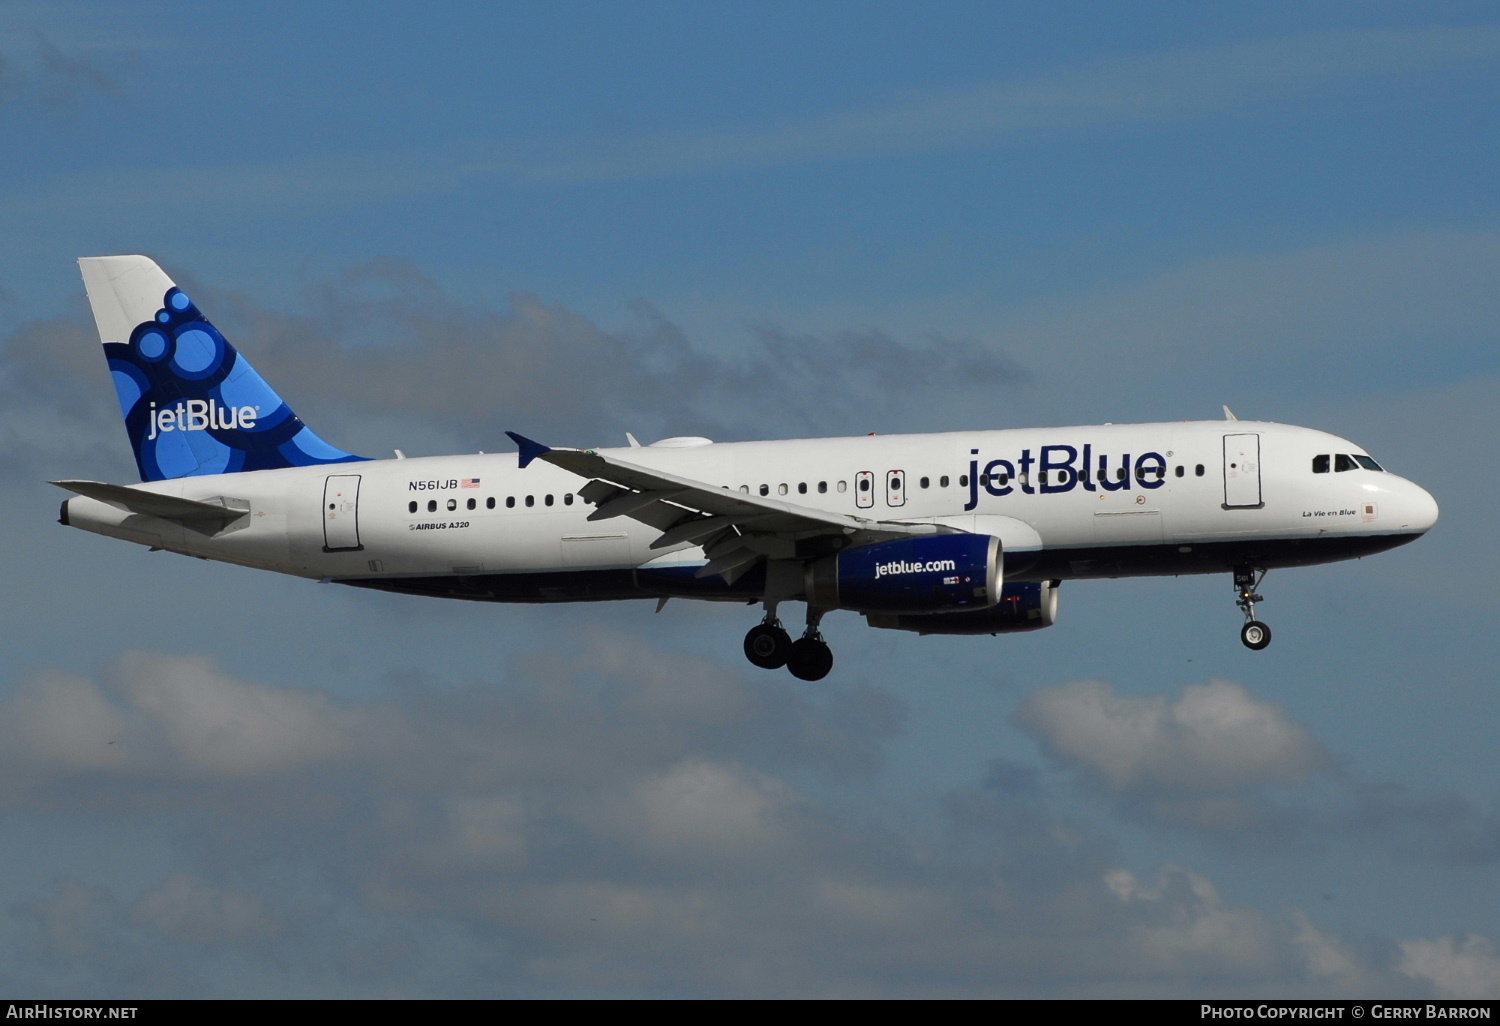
x=1195 y=497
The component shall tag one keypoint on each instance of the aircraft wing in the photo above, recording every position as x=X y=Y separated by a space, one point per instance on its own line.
x=735 y=530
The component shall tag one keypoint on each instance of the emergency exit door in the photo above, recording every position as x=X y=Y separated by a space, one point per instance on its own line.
x=341 y=513
x=895 y=488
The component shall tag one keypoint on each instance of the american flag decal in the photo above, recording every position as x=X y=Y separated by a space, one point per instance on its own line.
x=469 y=482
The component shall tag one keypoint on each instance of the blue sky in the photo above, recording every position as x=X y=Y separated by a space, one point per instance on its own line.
x=429 y=224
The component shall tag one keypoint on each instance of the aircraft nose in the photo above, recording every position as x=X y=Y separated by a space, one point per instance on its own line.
x=1420 y=509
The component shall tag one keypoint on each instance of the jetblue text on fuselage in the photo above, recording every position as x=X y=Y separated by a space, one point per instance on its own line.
x=200 y=415
x=1061 y=468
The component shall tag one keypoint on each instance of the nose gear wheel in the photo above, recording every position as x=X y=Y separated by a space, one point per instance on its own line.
x=1255 y=635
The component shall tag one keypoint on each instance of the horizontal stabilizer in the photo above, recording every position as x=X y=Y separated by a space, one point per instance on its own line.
x=152 y=504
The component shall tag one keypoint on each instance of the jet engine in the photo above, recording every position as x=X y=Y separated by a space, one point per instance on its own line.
x=1023 y=606
x=927 y=574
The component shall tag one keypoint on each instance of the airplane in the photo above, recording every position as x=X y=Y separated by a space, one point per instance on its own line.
x=962 y=532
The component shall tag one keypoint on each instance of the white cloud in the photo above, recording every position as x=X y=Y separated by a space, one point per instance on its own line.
x=698 y=805
x=1467 y=968
x=1215 y=737
x=77 y=921
x=68 y=722
x=221 y=725
x=192 y=911
x=1182 y=925
x=584 y=825
x=160 y=715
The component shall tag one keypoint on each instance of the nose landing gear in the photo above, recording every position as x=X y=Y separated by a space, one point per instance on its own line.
x=1254 y=634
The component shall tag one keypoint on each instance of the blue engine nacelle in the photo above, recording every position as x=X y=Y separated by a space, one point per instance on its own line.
x=928 y=574
x=1023 y=606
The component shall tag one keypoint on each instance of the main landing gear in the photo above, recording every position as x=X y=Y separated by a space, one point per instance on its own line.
x=770 y=647
x=768 y=644
x=1254 y=634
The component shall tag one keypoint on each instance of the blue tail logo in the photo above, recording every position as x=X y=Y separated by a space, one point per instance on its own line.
x=194 y=406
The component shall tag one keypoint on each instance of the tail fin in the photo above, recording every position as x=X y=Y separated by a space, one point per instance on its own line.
x=192 y=404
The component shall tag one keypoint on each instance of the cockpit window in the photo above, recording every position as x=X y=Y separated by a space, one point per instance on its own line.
x=1342 y=463
x=1320 y=464
x=1367 y=463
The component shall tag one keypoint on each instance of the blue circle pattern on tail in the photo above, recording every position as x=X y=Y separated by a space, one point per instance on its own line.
x=194 y=406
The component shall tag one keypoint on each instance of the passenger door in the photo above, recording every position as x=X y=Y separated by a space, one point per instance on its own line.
x=1242 y=472
x=341 y=513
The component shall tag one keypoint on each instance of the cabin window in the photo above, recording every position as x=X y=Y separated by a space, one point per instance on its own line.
x=822 y=487
x=1120 y=474
x=1042 y=477
x=924 y=482
x=472 y=504
x=843 y=486
x=765 y=489
x=1181 y=470
x=568 y=499
x=1342 y=463
x=781 y=489
x=411 y=507
x=510 y=502
x=744 y=489
x=963 y=480
x=489 y=503
x=531 y=500
x=547 y=500
x=452 y=505
x=943 y=481
x=801 y=487
x=432 y=505
x=1198 y=470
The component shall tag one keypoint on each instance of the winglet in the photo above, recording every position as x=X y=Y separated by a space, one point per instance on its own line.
x=529 y=450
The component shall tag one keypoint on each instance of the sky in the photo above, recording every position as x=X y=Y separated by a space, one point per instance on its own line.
x=429 y=224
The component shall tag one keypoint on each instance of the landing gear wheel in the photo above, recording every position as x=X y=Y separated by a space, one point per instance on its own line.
x=768 y=645
x=1255 y=635
x=810 y=659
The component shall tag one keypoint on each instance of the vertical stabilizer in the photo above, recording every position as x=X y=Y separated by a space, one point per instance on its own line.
x=192 y=404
